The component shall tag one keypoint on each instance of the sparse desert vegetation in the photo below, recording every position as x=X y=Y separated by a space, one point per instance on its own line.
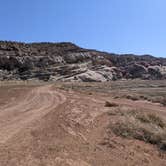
x=56 y=123
x=163 y=101
x=148 y=127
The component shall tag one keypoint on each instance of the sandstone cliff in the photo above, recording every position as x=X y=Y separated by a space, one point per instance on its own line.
x=68 y=62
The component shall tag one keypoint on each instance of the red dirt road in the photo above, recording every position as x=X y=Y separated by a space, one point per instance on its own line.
x=19 y=113
x=46 y=126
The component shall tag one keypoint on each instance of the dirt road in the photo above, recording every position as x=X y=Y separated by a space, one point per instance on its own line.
x=46 y=126
x=19 y=113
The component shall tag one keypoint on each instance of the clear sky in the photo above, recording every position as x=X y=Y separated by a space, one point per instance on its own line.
x=119 y=26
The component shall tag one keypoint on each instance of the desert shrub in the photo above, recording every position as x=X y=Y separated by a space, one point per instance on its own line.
x=163 y=145
x=149 y=128
x=111 y=104
x=163 y=101
x=143 y=97
x=90 y=93
x=132 y=97
x=151 y=118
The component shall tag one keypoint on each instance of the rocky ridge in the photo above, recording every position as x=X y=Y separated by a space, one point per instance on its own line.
x=68 y=62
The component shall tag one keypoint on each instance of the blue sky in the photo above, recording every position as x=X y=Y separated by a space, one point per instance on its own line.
x=119 y=26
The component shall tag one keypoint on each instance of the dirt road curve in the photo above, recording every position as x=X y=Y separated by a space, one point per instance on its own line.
x=46 y=126
x=18 y=114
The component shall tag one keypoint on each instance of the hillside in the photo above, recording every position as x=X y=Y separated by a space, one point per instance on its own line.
x=68 y=62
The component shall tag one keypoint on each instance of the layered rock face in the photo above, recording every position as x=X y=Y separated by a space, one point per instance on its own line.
x=68 y=62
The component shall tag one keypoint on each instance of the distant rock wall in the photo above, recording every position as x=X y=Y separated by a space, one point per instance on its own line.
x=68 y=62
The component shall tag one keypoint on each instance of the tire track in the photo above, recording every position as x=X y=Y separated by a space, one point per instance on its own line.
x=36 y=104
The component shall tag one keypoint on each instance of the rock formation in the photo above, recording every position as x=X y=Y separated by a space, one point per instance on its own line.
x=68 y=62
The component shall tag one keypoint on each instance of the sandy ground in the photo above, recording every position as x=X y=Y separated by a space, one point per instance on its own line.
x=48 y=126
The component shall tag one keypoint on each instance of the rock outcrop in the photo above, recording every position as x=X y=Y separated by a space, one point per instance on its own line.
x=68 y=62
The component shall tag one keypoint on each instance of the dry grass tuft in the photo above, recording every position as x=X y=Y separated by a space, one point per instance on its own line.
x=151 y=118
x=146 y=127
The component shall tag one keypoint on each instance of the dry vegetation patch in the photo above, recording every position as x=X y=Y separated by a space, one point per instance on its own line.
x=159 y=99
x=163 y=101
x=111 y=104
x=146 y=127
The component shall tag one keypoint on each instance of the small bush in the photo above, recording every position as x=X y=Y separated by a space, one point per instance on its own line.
x=90 y=93
x=143 y=97
x=111 y=104
x=151 y=118
x=154 y=119
x=134 y=98
x=163 y=145
x=163 y=101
